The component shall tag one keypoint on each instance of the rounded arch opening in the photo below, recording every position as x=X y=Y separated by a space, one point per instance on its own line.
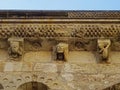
x=33 y=86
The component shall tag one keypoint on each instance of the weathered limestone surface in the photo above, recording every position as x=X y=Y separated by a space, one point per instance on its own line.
x=64 y=50
x=63 y=76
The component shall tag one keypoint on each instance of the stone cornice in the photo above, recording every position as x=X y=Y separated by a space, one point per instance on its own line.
x=62 y=14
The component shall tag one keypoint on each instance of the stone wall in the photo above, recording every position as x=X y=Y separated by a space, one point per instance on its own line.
x=88 y=44
x=59 y=75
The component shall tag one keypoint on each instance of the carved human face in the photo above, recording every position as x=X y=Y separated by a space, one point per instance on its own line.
x=14 y=45
x=60 y=49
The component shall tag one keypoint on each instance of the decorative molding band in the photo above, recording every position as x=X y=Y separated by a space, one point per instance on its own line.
x=52 y=31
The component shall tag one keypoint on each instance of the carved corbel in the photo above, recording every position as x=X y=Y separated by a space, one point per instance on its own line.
x=15 y=49
x=61 y=52
x=103 y=48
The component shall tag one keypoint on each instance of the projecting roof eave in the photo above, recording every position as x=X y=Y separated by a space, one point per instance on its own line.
x=59 y=14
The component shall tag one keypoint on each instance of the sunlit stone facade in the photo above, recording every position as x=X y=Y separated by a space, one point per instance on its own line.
x=59 y=50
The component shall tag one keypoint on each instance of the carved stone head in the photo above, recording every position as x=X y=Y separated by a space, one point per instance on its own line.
x=62 y=51
x=103 y=46
x=14 y=46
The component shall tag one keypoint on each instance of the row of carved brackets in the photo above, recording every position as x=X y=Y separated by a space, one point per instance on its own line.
x=61 y=50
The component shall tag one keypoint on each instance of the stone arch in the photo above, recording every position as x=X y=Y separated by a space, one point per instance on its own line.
x=33 y=85
x=1 y=87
